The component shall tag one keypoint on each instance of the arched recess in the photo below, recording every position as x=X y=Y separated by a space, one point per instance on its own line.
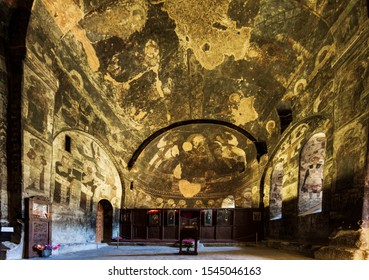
x=284 y=111
x=296 y=131
x=288 y=152
x=259 y=145
x=196 y=165
x=83 y=175
x=276 y=182
x=104 y=221
x=312 y=159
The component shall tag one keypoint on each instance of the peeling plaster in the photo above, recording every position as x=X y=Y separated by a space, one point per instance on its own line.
x=198 y=29
x=121 y=20
x=242 y=109
x=67 y=16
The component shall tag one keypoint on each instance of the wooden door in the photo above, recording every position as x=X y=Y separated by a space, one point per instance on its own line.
x=99 y=222
x=38 y=225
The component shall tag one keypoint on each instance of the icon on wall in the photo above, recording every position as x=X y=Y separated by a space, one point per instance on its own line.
x=154 y=218
x=224 y=217
x=208 y=217
x=256 y=216
x=40 y=211
x=171 y=218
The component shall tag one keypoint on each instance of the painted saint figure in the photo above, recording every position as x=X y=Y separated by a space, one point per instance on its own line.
x=313 y=179
x=208 y=218
x=38 y=162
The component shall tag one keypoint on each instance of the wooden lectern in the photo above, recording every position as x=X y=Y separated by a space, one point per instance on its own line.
x=188 y=233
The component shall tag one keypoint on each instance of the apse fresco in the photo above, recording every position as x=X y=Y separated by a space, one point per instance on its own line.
x=85 y=175
x=276 y=192
x=198 y=165
x=311 y=175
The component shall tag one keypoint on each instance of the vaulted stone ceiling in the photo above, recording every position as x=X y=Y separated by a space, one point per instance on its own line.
x=128 y=69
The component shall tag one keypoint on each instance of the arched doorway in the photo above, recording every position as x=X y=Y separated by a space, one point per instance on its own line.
x=104 y=221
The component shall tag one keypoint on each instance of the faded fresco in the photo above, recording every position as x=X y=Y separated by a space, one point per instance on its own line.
x=37 y=165
x=311 y=175
x=199 y=165
x=352 y=85
x=84 y=176
x=351 y=148
x=124 y=70
x=38 y=109
x=276 y=182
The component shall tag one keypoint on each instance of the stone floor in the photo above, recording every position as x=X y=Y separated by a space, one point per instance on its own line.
x=155 y=252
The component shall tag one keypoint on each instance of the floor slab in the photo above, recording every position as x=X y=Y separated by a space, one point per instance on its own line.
x=149 y=252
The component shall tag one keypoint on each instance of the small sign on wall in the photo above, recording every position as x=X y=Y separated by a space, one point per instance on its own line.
x=5 y=233
x=6 y=229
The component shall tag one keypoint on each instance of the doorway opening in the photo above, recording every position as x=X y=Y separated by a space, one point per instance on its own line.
x=104 y=221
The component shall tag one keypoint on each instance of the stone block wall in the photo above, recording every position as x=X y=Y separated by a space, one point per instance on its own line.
x=3 y=114
x=339 y=93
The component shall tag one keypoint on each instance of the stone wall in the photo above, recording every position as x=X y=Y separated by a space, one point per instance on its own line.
x=295 y=206
x=81 y=178
x=351 y=129
x=338 y=92
x=3 y=114
x=349 y=238
x=75 y=179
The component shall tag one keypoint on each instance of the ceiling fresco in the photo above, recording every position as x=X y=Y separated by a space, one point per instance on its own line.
x=124 y=70
x=152 y=56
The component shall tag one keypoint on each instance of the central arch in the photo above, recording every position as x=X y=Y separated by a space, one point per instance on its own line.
x=260 y=145
x=195 y=164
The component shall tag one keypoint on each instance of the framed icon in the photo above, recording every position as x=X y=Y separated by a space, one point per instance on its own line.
x=154 y=218
x=208 y=217
x=171 y=217
x=40 y=210
x=224 y=217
